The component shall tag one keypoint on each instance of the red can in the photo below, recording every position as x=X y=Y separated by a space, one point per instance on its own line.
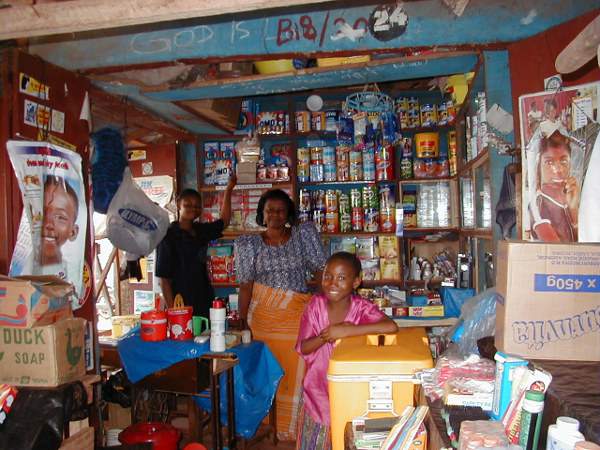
x=180 y=323
x=357 y=220
x=161 y=435
x=153 y=326
x=384 y=165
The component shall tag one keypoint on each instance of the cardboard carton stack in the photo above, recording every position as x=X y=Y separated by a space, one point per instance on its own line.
x=42 y=344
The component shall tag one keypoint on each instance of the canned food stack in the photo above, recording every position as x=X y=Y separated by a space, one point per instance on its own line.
x=378 y=254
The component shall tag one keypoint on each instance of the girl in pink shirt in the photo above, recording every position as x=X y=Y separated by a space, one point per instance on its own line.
x=335 y=314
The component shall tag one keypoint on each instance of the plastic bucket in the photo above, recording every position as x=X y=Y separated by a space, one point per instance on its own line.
x=153 y=326
x=162 y=436
x=180 y=323
x=274 y=66
x=427 y=145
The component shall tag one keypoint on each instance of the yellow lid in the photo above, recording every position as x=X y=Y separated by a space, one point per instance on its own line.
x=402 y=353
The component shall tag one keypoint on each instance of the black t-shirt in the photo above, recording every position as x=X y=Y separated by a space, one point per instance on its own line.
x=182 y=258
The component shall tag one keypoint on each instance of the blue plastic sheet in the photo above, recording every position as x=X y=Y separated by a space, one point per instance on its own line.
x=256 y=377
x=454 y=298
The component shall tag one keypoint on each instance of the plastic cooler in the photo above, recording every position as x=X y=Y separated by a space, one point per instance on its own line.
x=374 y=375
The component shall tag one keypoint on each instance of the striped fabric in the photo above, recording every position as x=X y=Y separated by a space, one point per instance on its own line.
x=274 y=317
x=312 y=435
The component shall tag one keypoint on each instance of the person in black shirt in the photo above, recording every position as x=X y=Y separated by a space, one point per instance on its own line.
x=182 y=254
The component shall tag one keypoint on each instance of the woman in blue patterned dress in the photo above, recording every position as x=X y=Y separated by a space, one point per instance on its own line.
x=271 y=268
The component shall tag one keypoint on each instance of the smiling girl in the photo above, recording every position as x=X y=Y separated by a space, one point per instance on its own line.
x=335 y=314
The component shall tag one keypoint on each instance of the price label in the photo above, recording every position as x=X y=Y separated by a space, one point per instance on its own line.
x=544 y=282
x=387 y=22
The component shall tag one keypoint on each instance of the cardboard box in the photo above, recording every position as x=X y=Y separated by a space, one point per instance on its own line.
x=42 y=356
x=82 y=440
x=33 y=300
x=548 y=304
x=426 y=311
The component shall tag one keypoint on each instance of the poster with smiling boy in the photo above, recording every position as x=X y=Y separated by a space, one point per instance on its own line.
x=51 y=237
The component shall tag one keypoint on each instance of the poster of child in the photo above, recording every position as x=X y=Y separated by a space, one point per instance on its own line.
x=51 y=237
x=556 y=144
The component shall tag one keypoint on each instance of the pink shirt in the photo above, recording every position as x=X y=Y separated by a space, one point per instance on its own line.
x=315 y=319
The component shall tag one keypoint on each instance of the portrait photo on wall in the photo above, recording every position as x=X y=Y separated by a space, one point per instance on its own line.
x=561 y=165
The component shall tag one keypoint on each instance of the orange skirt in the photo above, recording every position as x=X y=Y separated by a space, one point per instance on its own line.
x=274 y=317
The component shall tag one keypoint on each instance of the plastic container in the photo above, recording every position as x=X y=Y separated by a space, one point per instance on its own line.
x=153 y=326
x=564 y=434
x=218 y=314
x=427 y=145
x=180 y=321
x=355 y=363
x=162 y=436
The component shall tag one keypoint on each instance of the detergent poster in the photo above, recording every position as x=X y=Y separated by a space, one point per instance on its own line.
x=51 y=237
x=560 y=179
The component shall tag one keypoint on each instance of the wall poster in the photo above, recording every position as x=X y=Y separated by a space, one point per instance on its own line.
x=561 y=165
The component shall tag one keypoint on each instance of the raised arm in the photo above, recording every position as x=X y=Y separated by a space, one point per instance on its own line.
x=226 y=206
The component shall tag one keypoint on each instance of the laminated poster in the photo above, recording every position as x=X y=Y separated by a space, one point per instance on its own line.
x=561 y=164
x=51 y=237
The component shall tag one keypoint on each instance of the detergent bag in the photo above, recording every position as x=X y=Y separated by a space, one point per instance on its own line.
x=133 y=222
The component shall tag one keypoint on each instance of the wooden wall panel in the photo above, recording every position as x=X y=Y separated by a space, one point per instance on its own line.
x=163 y=159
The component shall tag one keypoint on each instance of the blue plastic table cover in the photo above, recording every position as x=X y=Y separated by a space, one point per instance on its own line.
x=256 y=377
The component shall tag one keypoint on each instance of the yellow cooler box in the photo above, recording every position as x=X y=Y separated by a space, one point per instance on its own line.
x=374 y=375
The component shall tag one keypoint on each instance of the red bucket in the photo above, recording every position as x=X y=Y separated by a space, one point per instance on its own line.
x=162 y=436
x=180 y=321
x=153 y=326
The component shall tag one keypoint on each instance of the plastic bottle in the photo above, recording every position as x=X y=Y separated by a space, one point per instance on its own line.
x=217 y=326
x=564 y=434
x=531 y=420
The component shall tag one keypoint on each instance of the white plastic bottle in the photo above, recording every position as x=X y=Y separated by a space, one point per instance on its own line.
x=217 y=326
x=564 y=434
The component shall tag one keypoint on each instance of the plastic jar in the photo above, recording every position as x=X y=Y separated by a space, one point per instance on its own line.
x=564 y=434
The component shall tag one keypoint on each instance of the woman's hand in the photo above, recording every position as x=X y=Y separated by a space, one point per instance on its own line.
x=337 y=331
x=572 y=196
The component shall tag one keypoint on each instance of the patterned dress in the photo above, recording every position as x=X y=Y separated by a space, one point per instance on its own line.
x=279 y=296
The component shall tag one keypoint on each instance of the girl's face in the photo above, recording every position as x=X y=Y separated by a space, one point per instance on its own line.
x=555 y=165
x=189 y=208
x=275 y=213
x=339 y=280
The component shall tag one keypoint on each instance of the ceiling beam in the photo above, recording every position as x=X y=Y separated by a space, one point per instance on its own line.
x=46 y=19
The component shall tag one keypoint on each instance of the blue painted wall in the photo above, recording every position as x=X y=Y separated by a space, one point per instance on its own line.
x=425 y=23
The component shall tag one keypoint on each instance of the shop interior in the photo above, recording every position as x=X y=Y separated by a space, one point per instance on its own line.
x=411 y=135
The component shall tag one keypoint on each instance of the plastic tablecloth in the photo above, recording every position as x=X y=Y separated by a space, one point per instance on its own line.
x=256 y=377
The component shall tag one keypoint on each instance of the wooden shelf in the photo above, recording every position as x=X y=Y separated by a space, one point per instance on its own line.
x=471 y=164
x=372 y=283
x=429 y=230
x=448 y=127
x=359 y=234
x=342 y=183
x=242 y=187
x=405 y=322
x=477 y=232
x=425 y=180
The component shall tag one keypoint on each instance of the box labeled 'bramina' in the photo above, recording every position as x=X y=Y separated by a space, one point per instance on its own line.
x=548 y=304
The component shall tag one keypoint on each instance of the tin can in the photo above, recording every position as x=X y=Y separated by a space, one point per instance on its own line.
x=304 y=203
x=428 y=115
x=427 y=145
x=319 y=219
x=452 y=157
x=357 y=219
x=332 y=224
x=331 y=201
x=318 y=199
x=329 y=172
x=371 y=223
x=355 y=171
x=316 y=155
x=387 y=221
x=451 y=111
x=302 y=121
x=317 y=122
x=402 y=104
x=369 y=197
x=316 y=172
x=303 y=164
x=442 y=113
x=272 y=172
x=342 y=155
x=331 y=120
x=368 y=157
x=345 y=213
x=355 y=198
x=384 y=167
x=329 y=155
x=414 y=118
x=413 y=103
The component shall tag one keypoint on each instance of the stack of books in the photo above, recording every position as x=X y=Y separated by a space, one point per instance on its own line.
x=404 y=432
